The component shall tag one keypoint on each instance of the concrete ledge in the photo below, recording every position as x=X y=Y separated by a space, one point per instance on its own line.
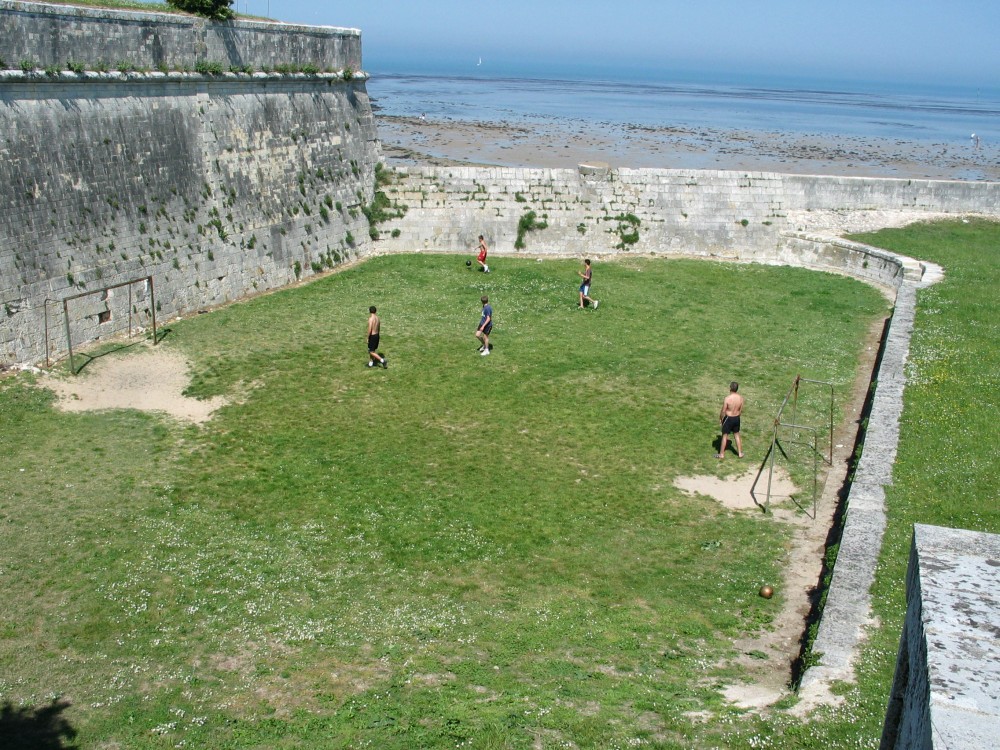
x=946 y=692
x=35 y=77
x=848 y=603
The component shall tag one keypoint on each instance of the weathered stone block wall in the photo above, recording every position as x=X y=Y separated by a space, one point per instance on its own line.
x=54 y=35
x=217 y=186
x=715 y=214
x=679 y=211
x=812 y=193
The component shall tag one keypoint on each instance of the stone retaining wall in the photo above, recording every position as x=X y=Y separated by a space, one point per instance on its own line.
x=217 y=186
x=54 y=35
x=743 y=216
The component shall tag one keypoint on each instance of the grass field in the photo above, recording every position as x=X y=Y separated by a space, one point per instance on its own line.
x=456 y=551
x=946 y=471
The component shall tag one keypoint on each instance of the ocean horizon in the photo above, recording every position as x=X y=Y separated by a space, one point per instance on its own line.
x=478 y=91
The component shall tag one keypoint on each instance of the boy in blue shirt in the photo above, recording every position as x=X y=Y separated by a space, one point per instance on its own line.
x=485 y=326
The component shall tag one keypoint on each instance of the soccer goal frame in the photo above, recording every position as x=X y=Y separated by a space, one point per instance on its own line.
x=788 y=422
x=148 y=280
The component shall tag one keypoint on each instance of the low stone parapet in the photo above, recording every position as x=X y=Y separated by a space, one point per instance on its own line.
x=946 y=691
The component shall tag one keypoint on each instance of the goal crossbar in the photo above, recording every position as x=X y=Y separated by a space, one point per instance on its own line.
x=129 y=284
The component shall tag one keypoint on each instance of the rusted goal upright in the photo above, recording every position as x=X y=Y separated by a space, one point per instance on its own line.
x=67 y=300
x=793 y=396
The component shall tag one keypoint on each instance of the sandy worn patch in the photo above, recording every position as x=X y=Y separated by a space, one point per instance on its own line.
x=734 y=492
x=752 y=696
x=152 y=380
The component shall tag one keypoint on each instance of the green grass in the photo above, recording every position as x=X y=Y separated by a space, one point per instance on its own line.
x=946 y=471
x=135 y=5
x=457 y=551
x=124 y=5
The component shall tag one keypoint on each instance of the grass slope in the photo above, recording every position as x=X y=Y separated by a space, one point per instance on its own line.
x=457 y=551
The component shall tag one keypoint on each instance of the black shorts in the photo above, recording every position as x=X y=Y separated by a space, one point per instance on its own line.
x=730 y=424
x=373 y=342
x=487 y=328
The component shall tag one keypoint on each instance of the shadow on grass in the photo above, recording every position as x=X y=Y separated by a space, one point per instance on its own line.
x=36 y=728
x=93 y=357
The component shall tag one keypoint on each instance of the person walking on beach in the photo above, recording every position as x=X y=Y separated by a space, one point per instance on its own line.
x=374 y=327
x=485 y=326
x=729 y=416
x=481 y=258
x=586 y=274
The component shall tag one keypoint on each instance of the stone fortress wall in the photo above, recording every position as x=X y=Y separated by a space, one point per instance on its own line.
x=216 y=185
x=740 y=216
x=223 y=185
x=54 y=35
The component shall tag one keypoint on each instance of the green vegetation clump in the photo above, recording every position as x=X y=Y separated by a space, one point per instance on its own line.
x=381 y=209
x=217 y=10
x=527 y=223
x=627 y=230
x=209 y=67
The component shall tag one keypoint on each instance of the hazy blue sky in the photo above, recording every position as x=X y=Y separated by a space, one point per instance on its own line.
x=938 y=41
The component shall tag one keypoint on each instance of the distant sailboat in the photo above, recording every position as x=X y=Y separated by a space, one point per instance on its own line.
x=480 y=62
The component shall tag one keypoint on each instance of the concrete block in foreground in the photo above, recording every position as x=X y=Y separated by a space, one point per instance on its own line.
x=946 y=691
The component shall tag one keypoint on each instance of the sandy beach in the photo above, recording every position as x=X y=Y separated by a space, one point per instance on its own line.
x=565 y=143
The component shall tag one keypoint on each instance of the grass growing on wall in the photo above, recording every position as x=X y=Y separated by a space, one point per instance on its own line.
x=457 y=551
x=124 y=5
x=132 y=5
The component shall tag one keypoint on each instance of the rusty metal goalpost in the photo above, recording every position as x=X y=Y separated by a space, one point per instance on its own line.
x=792 y=399
x=148 y=280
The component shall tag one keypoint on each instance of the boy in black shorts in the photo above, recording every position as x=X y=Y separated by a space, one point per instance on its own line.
x=374 y=326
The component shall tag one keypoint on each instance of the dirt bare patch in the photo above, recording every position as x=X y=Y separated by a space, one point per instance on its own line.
x=735 y=492
x=152 y=380
x=767 y=656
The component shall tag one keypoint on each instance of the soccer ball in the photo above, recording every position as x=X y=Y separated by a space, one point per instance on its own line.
x=468 y=262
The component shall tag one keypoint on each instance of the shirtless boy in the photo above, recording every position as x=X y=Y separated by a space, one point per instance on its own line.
x=374 y=325
x=729 y=416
